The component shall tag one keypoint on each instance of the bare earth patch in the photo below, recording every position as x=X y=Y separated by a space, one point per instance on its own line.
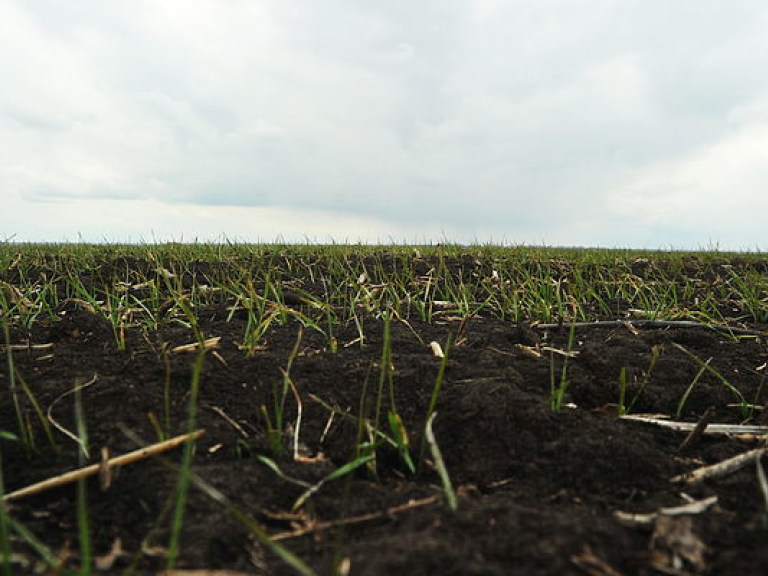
x=539 y=492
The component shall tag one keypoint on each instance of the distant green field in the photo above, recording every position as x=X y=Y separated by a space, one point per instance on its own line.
x=516 y=283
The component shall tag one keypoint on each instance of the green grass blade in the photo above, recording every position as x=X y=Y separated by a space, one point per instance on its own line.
x=258 y=532
x=442 y=471
x=5 y=538
x=707 y=366
x=184 y=473
x=341 y=471
x=83 y=520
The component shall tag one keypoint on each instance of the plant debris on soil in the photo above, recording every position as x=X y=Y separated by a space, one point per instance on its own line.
x=559 y=489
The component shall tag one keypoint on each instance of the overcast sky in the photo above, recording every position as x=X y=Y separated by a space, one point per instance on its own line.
x=560 y=122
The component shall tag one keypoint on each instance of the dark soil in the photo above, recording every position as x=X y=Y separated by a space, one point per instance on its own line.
x=538 y=490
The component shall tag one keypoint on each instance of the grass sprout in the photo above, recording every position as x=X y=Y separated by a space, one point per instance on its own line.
x=14 y=381
x=5 y=522
x=83 y=518
x=46 y=555
x=275 y=419
x=557 y=392
x=622 y=410
x=706 y=366
x=436 y=389
x=442 y=471
x=386 y=379
x=79 y=439
x=310 y=488
x=758 y=393
x=9 y=526
x=689 y=389
x=288 y=557
x=182 y=487
x=656 y=352
x=248 y=522
x=23 y=430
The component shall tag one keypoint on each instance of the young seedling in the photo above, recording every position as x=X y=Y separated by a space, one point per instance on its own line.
x=436 y=389
x=83 y=519
x=182 y=487
x=656 y=352
x=442 y=471
x=311 y=489
x=557 y=392
x=24 y=433
x=622 y=410
x=275 y=420
x=5 y=535
x=758 y=393
x=254 y=528
x=78 y=438
x=386 y=376
x=689 y=389
x=706 y=366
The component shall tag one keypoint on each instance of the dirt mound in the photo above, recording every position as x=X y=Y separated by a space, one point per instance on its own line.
x=537 y=490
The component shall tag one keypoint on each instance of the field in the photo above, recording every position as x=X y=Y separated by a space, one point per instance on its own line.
x=382 y=410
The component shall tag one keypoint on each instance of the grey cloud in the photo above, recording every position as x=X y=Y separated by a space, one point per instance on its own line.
x=520 y=116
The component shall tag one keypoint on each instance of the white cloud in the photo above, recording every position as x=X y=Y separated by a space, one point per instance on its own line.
x=149 y=220
x=716 y=191
x=547 y=121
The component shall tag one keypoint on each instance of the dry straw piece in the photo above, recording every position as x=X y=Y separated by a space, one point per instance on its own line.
x=719 y=429
x=208 y=344
x=92 y=470
x=721 y=468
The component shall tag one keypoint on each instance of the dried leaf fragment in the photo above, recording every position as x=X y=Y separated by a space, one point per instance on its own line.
x=675 y=546
x=106 y=562
x=436 y=349
x=208 y=344
x=531 y=351
x=591 y=564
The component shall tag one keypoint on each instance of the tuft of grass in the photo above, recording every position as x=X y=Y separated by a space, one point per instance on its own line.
x=275 y=419
x=44 y=422
x=557 y=392
x=749 y=289
x=24 y=432
x=386 y=379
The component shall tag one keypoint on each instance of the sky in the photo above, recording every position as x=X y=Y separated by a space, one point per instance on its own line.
x=610 y=123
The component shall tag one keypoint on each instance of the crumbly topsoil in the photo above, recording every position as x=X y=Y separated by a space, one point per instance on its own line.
x=538 y=490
